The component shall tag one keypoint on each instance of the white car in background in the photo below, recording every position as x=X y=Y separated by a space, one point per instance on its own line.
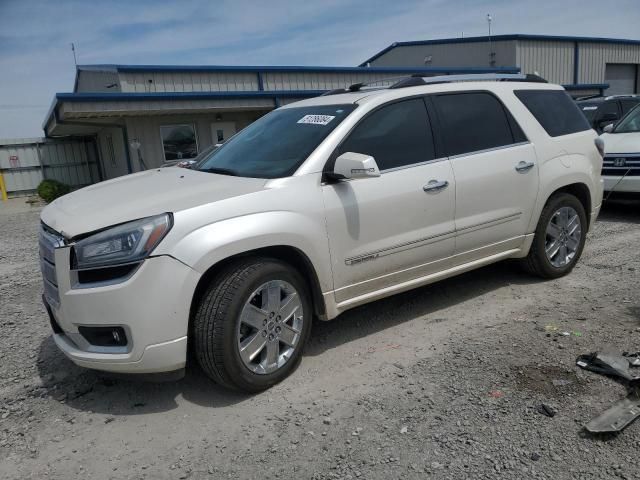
x=621 y=165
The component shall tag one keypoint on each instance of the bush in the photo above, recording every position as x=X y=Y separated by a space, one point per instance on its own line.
x=49 y=190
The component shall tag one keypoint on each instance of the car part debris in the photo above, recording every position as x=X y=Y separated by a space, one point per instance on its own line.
x=609 y=364
x=618 y=416
x=546 y=410
x=625 y=411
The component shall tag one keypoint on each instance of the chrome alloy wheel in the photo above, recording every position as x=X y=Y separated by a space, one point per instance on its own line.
x=563 y=236
x=270 y=327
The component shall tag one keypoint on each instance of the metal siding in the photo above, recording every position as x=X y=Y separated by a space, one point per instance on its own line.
x=595 y=56
x=449 y=55
x=285 y=81
x=553 y=60
x=97 y=81
x=65 y=161
x=189 y=82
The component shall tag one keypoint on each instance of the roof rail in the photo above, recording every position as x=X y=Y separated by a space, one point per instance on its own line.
x=628 y=95
x=420 y=79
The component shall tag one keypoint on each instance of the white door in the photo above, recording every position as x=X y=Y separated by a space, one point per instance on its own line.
x=222 y=131
x=399 y=226
x=496 y=173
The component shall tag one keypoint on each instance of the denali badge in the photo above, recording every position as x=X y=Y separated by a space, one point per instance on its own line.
x=619 y=162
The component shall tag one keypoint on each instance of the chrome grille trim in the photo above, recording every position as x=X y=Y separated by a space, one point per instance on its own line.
x=48 y=241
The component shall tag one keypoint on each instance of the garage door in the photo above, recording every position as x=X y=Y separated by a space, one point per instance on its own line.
x=621 y=78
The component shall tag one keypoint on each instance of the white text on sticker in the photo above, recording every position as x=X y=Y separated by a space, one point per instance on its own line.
x=316 y=119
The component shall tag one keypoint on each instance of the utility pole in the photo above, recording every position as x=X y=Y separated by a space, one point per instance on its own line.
x=492 y=55
x=73 y=49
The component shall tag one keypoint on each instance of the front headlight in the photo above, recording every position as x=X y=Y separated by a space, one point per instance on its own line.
x=127 y=243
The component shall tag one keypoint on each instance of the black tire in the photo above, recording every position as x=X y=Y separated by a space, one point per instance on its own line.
x=536 y=261
x=218 y=313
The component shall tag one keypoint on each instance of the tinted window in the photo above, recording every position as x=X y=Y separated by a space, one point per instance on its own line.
x=395 y=135
x=276 y=145
x=473 y=122
x=608 y=110
x=628 y=104
x=555 y=111
x=589 y=110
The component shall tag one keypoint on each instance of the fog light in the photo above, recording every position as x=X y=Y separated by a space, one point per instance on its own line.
x=104 y=336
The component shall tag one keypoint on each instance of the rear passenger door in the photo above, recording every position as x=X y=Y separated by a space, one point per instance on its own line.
x=495 y=169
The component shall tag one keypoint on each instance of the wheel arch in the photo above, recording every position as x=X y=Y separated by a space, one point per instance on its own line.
x=288 y=254
x=581 y=192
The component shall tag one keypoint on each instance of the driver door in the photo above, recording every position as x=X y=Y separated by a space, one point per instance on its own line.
x=398 y=227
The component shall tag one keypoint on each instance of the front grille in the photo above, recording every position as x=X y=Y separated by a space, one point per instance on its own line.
x=623 y=164
x=48 y=241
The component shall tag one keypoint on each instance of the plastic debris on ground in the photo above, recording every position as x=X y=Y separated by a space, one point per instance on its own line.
x=624 y=367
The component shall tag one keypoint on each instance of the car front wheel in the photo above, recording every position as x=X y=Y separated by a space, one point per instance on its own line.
x=252 y=323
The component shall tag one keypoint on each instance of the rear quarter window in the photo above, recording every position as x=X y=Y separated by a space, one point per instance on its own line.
x=555 y=110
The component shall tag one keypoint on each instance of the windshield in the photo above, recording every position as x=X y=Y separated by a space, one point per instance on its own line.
x=276 y=145
x=630 y=123
x=589 y=110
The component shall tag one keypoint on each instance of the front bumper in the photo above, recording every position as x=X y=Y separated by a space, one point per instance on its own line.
x=619 y=184
x=152 y=306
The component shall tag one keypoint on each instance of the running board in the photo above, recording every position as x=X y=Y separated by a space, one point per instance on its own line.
x=424 y=280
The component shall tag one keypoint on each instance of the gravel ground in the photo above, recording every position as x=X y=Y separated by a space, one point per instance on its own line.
x=442 y=382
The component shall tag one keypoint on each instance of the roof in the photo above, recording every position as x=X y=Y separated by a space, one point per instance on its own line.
x=501 y=38
x=385 y=94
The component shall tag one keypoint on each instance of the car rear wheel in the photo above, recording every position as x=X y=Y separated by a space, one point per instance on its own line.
x=559 y=238
x=252 y=323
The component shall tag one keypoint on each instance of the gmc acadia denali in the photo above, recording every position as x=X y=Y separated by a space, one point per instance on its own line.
x=317 y=207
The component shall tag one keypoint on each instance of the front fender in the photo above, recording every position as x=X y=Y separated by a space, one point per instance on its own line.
x=210 y=244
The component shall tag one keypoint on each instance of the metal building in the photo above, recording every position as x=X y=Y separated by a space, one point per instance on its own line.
x=584 y=65
x=141 y=116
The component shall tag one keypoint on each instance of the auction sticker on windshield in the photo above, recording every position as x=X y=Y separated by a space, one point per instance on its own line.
x=316 y=119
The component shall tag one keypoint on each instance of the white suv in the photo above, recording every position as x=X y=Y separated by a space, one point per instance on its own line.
x=318 y=207
x=621 y=170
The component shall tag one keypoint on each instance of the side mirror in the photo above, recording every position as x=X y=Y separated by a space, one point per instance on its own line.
x=608 y=128
x=351 y=165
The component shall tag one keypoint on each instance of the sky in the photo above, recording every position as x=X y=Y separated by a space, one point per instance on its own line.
x=36 y=35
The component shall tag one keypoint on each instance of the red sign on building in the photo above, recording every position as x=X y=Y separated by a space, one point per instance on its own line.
x=14 y=161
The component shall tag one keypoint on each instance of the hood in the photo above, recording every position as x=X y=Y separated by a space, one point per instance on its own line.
x=141 y=195
x=621 y=142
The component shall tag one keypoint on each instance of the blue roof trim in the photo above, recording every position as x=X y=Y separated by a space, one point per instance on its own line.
x=297 y=69
x=503 y=38
x=118 y=97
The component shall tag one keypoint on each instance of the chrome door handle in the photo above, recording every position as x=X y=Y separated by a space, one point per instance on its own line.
x=524 y=167
x=435 y=186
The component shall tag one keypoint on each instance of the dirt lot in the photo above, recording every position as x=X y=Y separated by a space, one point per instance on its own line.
x=441 y=382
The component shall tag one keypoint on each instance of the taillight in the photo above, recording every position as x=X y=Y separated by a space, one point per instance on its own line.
x=600 y=146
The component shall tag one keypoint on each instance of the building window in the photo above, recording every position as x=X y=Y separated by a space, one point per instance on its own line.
x=179 y=142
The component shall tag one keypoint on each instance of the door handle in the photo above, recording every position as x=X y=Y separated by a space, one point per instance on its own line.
x=524 y=167
x=435 y=185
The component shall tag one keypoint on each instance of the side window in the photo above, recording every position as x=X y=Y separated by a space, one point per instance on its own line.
x=607 y=110
x=396 y=135
x=555 y=110
x=474 y=121
x=628 y=105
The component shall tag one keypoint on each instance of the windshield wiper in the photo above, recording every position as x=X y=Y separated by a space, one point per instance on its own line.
x=221 y=171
